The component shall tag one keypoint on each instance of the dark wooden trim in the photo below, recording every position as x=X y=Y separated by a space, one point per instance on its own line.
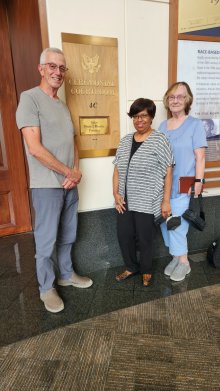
x=25 y=41
x=212 y=184
x=191 y=37
x=43 y=23
x=213 y=164
x=212 y=174
x=15 y=216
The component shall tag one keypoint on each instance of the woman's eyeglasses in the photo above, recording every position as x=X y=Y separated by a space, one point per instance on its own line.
x=179 y=98
x=141 y=116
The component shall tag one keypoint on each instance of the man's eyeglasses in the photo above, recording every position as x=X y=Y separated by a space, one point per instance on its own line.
x=179 y=98
x=53 y=67
x=141 y=116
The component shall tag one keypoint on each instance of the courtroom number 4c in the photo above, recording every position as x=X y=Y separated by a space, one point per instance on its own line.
x=93 y=105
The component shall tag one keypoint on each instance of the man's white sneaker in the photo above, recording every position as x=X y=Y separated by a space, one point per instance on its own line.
x=77 y=281
x=180 y=271
x=171 y=266
x=52 y=301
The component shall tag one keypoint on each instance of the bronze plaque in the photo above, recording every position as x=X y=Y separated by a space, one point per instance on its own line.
x=91 y=86
x=93 y=125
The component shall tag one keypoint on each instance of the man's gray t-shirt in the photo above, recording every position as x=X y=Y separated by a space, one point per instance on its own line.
x=52 y=116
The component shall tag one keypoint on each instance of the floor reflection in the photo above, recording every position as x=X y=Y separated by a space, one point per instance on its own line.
x=23 y=314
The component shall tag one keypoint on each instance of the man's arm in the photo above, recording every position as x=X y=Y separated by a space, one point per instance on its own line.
x=76 y=155
x=75 y=170
x=32 y=138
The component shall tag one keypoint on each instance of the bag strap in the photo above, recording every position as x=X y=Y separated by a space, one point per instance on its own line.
x=202 y=213
x=201 y=210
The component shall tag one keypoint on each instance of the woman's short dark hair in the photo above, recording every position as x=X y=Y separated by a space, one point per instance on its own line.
x=141 y=104
x=172 y=89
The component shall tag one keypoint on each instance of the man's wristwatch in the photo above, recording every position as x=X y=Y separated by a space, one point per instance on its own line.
x=200 y=180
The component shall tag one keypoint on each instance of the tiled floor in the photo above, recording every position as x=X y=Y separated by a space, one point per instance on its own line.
x=143 y=315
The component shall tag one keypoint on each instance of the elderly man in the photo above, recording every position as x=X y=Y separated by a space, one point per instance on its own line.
x=53 y=162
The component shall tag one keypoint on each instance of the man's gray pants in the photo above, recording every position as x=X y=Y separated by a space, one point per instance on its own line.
x=55 y=224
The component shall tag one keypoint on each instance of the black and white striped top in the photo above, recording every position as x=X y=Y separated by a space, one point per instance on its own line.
x=144 y=176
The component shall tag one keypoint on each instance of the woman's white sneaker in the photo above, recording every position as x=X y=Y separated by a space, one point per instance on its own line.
x=180 y=271
x=171 y=266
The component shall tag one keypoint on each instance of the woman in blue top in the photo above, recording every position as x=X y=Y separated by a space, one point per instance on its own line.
x=187 y=137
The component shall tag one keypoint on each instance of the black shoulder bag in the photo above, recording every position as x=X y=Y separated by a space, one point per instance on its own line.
x=195 y=214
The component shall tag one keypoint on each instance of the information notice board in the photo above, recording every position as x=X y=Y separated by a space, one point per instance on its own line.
x=199 y=66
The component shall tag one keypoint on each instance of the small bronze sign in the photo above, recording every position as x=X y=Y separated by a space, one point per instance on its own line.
x=93 y=126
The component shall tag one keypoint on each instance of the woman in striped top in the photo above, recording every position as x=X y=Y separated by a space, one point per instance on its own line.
x=141 y=186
